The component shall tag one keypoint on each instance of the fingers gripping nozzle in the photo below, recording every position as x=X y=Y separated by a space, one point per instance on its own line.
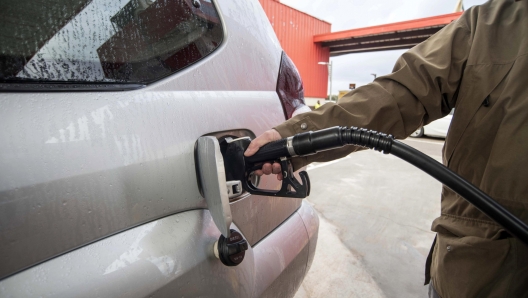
x=239 y=167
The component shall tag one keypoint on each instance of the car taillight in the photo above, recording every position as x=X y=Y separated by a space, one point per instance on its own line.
x=290 y=87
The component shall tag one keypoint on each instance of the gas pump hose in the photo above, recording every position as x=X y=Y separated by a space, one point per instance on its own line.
x=308 y=143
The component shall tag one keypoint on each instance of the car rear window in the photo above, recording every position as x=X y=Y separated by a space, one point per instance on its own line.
x=104 y=41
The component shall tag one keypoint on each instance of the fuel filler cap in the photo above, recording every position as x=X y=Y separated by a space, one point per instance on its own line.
x=231 y=250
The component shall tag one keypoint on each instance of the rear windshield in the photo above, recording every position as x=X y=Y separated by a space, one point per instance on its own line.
x=120 y=41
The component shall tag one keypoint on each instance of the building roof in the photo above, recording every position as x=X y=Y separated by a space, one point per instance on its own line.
x=401 y=35
x=300 y=11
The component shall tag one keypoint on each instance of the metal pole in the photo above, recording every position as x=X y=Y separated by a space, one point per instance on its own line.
x=329 y=90
x=329 y=65
x=330 y=75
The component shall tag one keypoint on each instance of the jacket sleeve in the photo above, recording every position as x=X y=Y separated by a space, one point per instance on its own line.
x=422 y=88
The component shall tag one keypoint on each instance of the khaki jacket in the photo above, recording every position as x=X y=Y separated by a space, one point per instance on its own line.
x=479 y=66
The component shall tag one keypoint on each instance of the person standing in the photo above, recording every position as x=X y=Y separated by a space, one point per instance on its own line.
x=477 y=65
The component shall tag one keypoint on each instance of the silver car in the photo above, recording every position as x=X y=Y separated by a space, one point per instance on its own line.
x=101 y=105
x=437 y=128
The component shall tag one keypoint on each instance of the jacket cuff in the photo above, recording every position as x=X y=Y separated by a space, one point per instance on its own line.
x=297 y=124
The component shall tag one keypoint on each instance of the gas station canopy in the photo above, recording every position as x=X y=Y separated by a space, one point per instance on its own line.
x=402 y=35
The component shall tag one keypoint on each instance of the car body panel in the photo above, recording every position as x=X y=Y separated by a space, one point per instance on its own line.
x=311 y=221
x=77 y=167
x=282 y=267
x=89 y=168
x=257 y=216
x=439 y=127
x=287 y=284
x=153 y=260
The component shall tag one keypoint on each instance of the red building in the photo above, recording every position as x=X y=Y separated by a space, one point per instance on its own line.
x=308 y=40
x=296 y=30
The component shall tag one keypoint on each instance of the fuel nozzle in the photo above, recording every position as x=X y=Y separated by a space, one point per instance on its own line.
x=239 y=167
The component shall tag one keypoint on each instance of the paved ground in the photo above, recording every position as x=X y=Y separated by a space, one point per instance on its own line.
x=376 y=211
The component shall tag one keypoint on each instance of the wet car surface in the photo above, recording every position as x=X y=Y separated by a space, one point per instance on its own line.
x=101 y=107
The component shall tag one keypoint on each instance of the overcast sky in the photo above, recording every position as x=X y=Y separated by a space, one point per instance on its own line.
x=350 y=14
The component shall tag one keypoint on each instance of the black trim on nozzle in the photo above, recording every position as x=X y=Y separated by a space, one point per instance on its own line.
x=270 y=152
x=311 y=142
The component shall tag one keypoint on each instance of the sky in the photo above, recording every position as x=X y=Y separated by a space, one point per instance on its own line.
x=350 y=14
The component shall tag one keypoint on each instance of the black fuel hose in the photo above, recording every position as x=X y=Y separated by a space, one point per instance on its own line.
x=462 y=187
x=308 y=143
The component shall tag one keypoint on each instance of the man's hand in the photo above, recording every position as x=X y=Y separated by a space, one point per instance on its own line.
x=267 y=168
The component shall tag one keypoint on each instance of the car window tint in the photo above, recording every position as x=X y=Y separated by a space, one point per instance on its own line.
x=122 y=41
